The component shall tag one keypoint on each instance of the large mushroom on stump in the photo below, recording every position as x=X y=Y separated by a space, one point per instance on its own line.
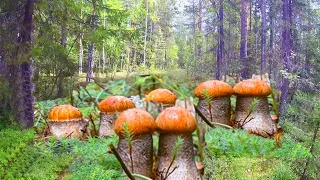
x=254 y=116
x=172 y=123
x=214 y=101
x=134 y=128
x=109 y=108
x=67 y=121
x=164 y=97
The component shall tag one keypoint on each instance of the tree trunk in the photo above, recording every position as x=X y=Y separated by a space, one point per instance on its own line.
x=271 y=38
x=145 y=34
x=263 y=37
x=89 y=77
x=200 y=32
x=90 y=64
x=219 y=54
x=21 y=74
x=103 y=59
x=243 y=41
x=61 y=74
x=195 y=40
x=80 y=52
x=286 y=52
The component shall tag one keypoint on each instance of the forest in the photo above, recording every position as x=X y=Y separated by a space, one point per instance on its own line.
x=160 y=89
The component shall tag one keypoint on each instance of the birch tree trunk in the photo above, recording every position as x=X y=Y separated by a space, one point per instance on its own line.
x=243 y=41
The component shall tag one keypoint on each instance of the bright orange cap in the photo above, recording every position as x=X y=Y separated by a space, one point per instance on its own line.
x=114 y=104
x=65 y=113
x=214 y=88
x=176 y=120
x=163 y=96
x=252 y=87
x=139 y=122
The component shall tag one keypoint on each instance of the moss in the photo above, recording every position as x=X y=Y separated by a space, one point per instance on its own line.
x=248 y=169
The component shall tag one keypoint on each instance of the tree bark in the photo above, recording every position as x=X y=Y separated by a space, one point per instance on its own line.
x=61 y=75
x=219 y=54
x=286 y=52
x=80 y=52
x=145 y=34
x=103 y=59
x=90 y=64
x=21 y=74
x=263 y=67
x=271 y=38
x=243 y=41
x=90 y=75
x=195 y=40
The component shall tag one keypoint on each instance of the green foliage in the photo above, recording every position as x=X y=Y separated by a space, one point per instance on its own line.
x=242 y=168
x=238 y=143
x=93 y=160
x=20 y=159
x=302 y=124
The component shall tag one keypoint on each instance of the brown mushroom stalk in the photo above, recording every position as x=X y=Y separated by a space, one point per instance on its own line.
x=66 y=122
x=176 y=162
x=109 y=108
x=134 y=128
x=214 y=101
x=252 y=109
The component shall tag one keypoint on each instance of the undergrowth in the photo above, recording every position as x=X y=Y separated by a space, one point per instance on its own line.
x=235 y=154
x=21 y=158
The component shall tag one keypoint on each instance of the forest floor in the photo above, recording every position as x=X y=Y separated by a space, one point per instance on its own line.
x=228 y=154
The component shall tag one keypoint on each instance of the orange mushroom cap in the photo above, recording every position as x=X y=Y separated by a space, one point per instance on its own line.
x=114 y=104
x=176 y=120
x=163 y=96
x=215 y=89
x=139 y=122
x=252 y=87
x=65 y=113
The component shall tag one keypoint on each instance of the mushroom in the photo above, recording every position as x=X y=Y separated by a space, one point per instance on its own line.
x=137 y=150
x=218 y=93
x=255 y=118
x=109 y=108
x=165 y=97
x=67 y=121
x=172 y=123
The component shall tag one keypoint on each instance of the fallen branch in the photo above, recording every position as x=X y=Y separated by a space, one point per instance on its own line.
x=124 y=167
x=211 y=124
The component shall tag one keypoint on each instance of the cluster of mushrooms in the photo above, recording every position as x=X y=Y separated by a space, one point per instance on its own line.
x=119 y=115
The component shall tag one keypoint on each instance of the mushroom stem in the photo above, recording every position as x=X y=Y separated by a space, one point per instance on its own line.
x=73 y=129
x=141 y=153
x=107 y=122
x=259 y=120
x=218 y=111
x=183 y=166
